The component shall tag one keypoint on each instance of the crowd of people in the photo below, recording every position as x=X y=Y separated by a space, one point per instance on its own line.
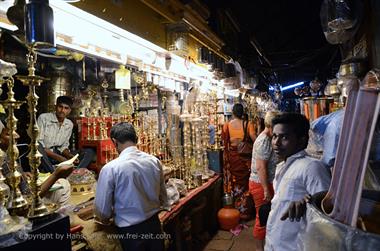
x=283 y=176
x=279 y=172
x=131 y=188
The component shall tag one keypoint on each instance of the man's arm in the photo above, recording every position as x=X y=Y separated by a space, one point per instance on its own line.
x=67 y=154
x=104 y=195
x=316 y=180
x=297 y=209
x=54 y=155
x=41 y=127
x=262 y=172
x=64 y=149
x=60 y=172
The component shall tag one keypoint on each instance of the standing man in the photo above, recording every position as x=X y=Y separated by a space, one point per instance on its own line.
x=131 y=189
x=55 y=133
x=296 y=176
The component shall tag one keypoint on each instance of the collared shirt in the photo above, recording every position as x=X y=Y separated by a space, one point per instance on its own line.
x=52 y=134
x=262 y=149
x=297 y=176
x=131 y=188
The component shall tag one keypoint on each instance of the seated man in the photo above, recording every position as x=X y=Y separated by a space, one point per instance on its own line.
x=60 y=196
x=55 y=133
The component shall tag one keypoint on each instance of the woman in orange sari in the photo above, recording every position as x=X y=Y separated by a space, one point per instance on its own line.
x=237 y=168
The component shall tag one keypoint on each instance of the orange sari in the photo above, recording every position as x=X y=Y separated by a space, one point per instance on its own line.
x=236 y=171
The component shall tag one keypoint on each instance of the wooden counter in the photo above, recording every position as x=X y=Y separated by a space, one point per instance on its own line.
x=194 y=218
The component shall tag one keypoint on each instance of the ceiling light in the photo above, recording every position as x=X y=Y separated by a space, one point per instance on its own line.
x=288 y=87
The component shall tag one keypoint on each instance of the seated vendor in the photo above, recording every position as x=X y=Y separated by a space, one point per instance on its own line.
x=55 y=133
x=60 y=196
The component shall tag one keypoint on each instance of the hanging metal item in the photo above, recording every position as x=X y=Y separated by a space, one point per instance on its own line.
x=178 y=38
x=39 y=23
x=340 y=19
x=123 y=78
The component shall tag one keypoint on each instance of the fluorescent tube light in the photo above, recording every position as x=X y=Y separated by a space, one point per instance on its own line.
x=288 y=87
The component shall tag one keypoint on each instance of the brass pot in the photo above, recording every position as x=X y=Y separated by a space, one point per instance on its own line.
x=351 y=69
x=331 y=88
x=372 y=79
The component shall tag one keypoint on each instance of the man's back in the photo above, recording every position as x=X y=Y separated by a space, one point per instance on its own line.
x=133 y=183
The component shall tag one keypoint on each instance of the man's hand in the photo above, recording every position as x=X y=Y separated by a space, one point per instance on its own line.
x=63 y=171
x=267 y=195
x=28 y=175
x=296 y=209
x=76 y=162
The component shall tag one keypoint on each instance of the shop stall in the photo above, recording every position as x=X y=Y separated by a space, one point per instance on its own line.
x=113 y=76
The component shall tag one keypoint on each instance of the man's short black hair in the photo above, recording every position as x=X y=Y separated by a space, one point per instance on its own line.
x=298 y=121
x=123 y=132
x=65 y=100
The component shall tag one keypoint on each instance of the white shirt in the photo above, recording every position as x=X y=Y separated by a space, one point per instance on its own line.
x=131 y=188
x=52 y=134
x=297 y=176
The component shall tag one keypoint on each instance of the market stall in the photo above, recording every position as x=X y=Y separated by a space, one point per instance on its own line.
x=171 y=101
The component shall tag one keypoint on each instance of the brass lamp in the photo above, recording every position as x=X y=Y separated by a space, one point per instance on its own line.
x=38 y=209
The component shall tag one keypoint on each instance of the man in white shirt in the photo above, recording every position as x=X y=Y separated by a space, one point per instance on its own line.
x=55 y=133
x=296 y=176
x=131 y=189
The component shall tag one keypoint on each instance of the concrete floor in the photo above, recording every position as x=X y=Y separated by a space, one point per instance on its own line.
x=226 y=241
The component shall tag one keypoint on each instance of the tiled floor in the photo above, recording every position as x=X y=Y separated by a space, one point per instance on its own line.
x=226 y=241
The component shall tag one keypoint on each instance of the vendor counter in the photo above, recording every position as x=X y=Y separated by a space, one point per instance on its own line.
x=193 y=219
x=49 y=233
x=187 y=226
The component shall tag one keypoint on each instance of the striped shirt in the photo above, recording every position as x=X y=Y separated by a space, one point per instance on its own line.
x=52 y=135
